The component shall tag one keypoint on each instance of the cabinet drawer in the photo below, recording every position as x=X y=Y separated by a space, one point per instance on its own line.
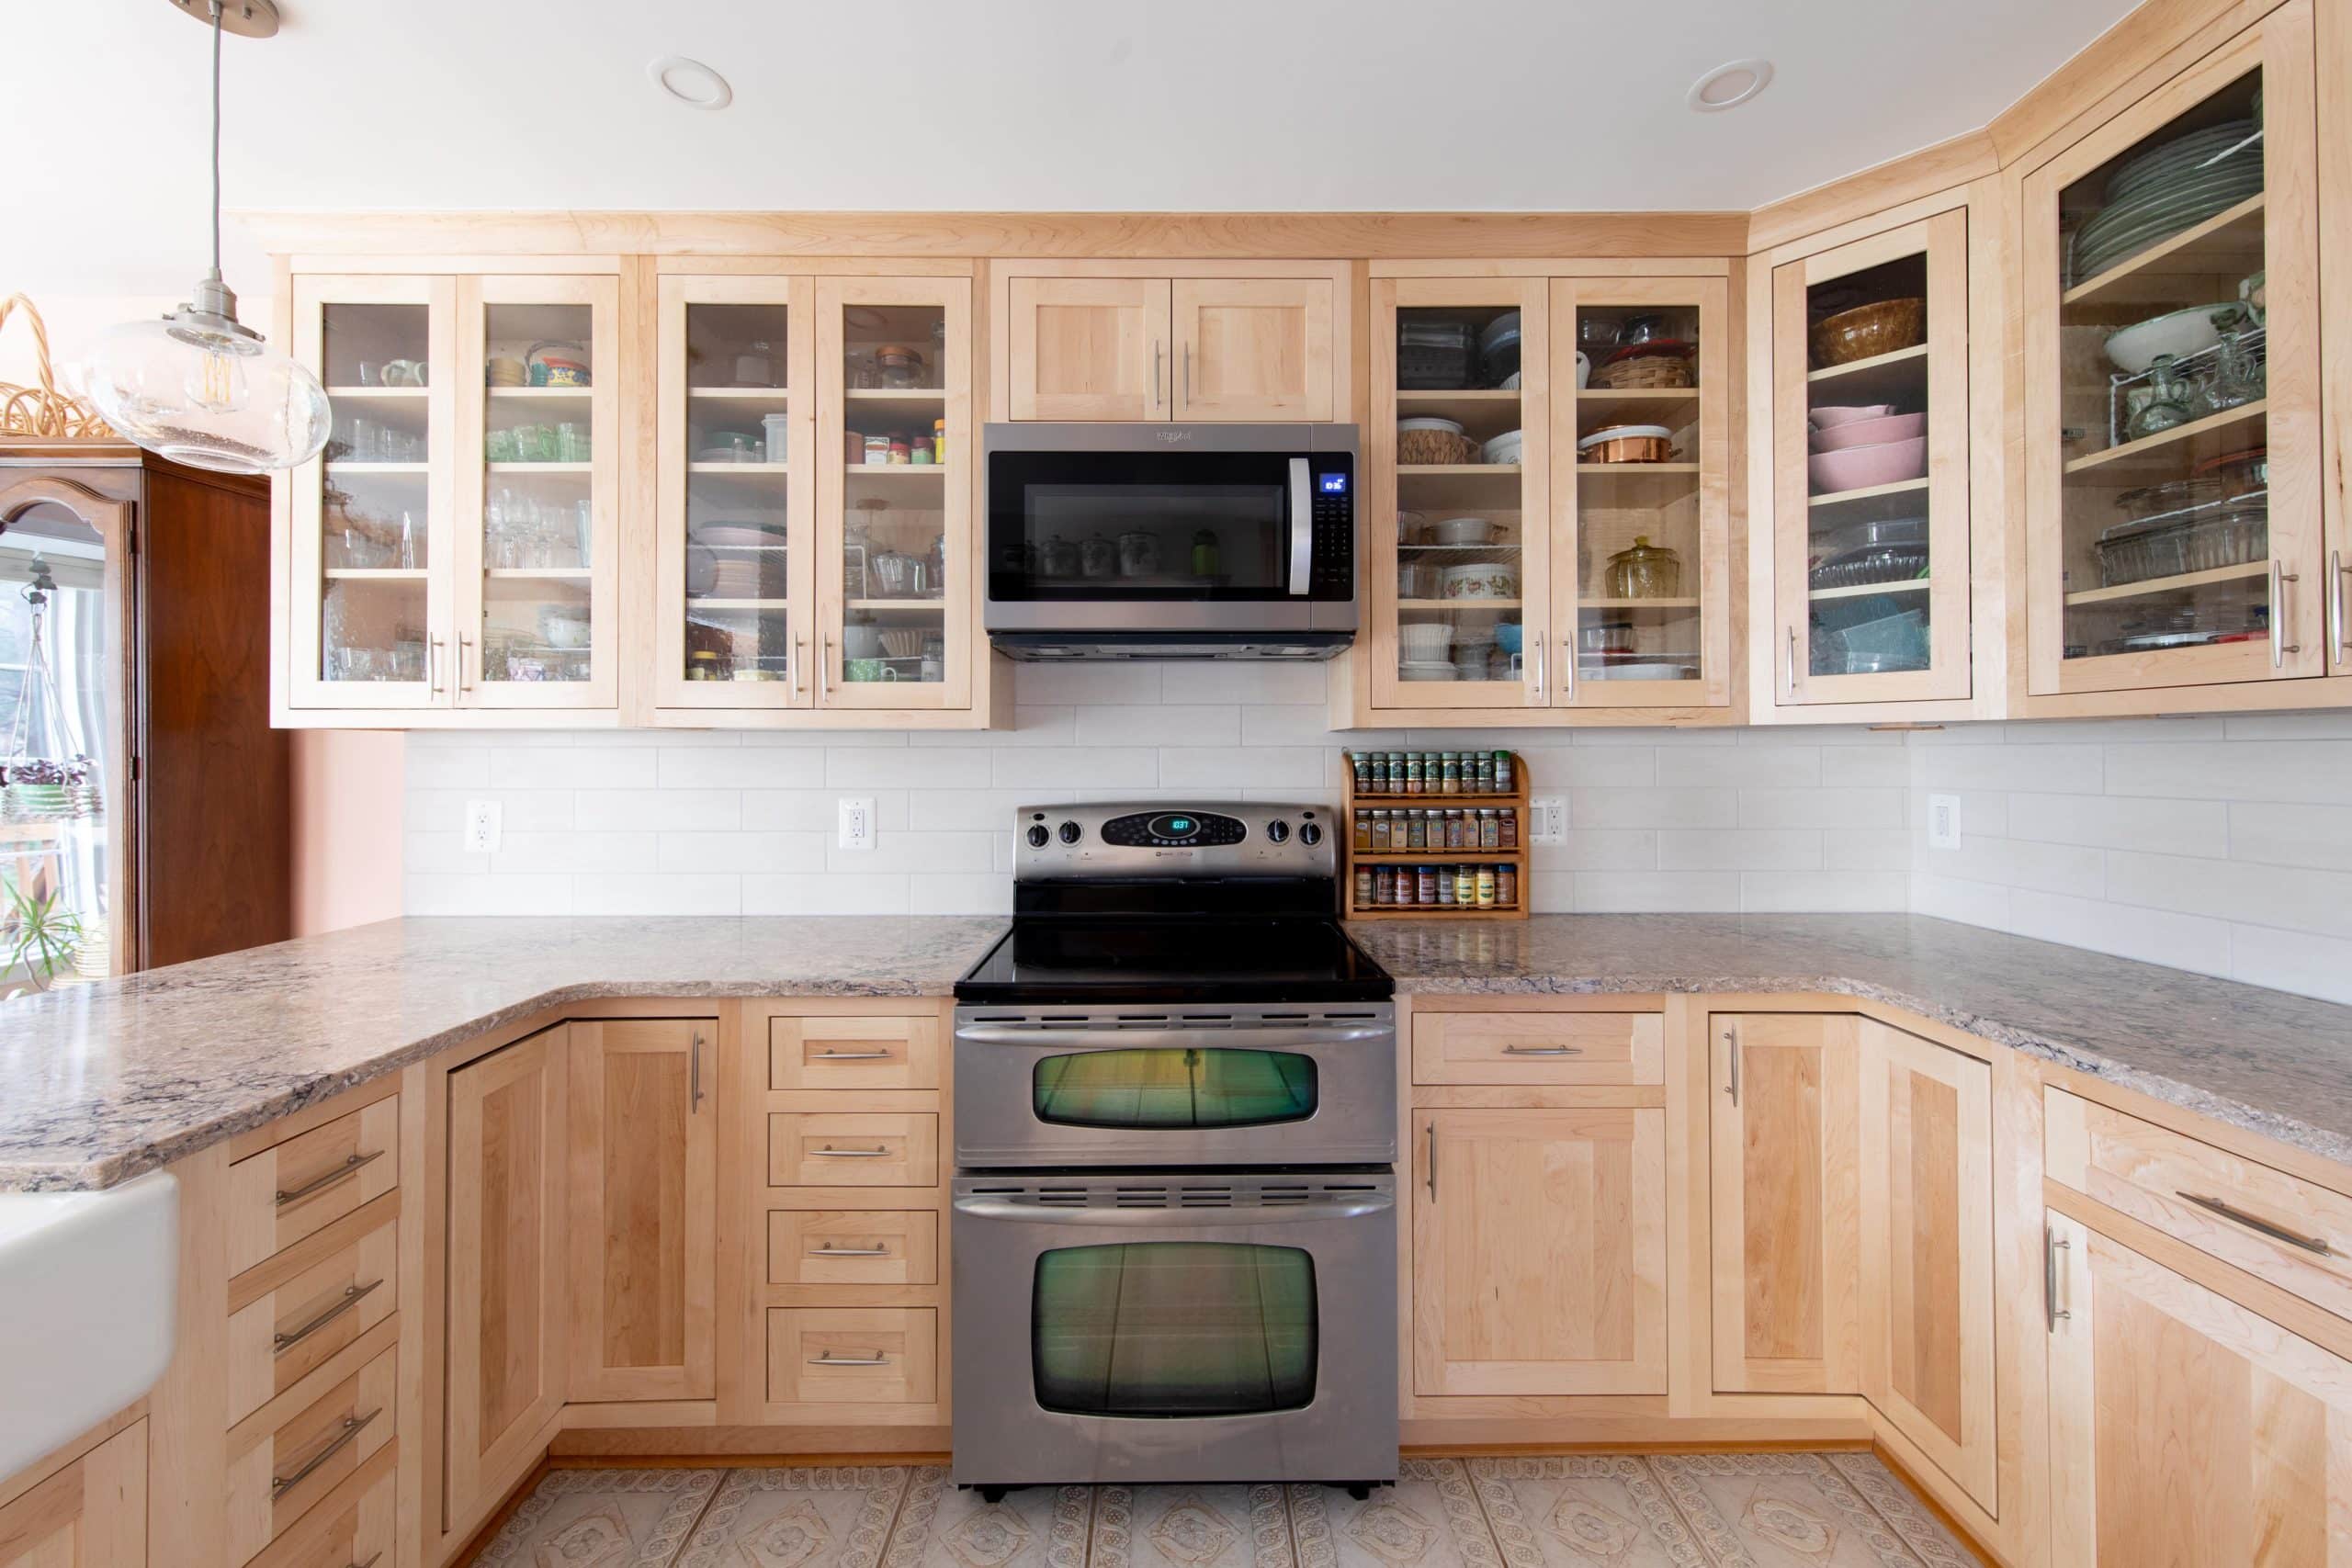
x=350 y=1527
x=278 y=1474
x=1539 y=1048
x=853 y=1246
x=282 y=1194
x=853 y=1356
x=825 y=1148
x=287 y=1320
x=853 y=1053
x=2276 y=1226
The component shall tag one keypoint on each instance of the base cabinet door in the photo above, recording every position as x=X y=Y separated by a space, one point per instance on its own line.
x=1926 y=1253
x=644 y=1185
x=1785 y=1202
x=2184 y=1429
x=505 y=1282
x=1539 y=1252
x=92 y=1513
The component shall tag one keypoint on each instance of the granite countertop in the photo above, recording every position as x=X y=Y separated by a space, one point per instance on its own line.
x=98 y=1083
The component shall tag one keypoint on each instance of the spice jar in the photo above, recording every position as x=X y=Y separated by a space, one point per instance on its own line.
x=1454 y=831
x=1486 y=887
x=1362 y=834
x=1502 y=773
x=1417 y=830
x=1450 y=773
x=1507 y=886
x=1644 y=570
x=1415 y=780
x=939 y=441
x=1490 y=829
x=1361 y=763
x=1379 y=831
x=1384 y=884
x=1465 y=886
x=1445 y=888
x=1396 y=773
x=1426 y=890
x=877 y=451
x=901 y=367
x=1377 y=771
x=1510 y=839
x=1364 y=887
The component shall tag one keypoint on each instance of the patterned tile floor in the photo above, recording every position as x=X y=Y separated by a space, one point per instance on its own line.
x=1752 y=1510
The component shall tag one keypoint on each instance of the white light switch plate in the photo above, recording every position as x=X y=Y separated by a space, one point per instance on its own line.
x=1944 y=822
x=1547 y=819
x=484 y=819
x=857 y=823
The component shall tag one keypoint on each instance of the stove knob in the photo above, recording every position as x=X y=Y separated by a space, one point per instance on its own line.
x=1278 y=830
x=1038 y=836
x=1309 y=834
x=1072 y=832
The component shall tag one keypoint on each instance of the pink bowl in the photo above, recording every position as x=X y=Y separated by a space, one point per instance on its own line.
x=1859 y=468
x=1869 y=431
x=1831 y=418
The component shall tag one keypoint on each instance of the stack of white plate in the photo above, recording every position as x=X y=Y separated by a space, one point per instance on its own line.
x=2166 y=189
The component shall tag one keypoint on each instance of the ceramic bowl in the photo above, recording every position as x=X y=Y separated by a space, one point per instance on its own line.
x=1831 y=418
x=1504 y=448
x=1479 y=579
x=1509 y=636
x=1425 y=642
x=1871 y=432
x=1463 y=531
x=1859 y=468
x=2179 y=333
x=1436 y=669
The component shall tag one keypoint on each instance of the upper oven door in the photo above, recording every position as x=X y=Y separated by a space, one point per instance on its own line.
x=1110 y=523
x=1263 y=1085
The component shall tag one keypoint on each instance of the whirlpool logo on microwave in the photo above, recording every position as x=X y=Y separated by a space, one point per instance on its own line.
x=1171 y=437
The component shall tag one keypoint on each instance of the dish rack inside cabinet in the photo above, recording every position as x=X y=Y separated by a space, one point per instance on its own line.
x=1361 y=866
x=2203 y=372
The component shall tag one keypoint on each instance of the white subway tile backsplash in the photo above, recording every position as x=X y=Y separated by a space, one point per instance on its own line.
x=914 y=851
x=2060 y=769
x=1650 y=892
x=657 y=893
x=2293 y=960
x=2279 y=833
x=1951 y=899
x=1824 y=807
x=1813 y=891
x=1753 y=766
x=576 y=767
x=607 y=810
x=817 y=810
x=1085 y=769
x=740 y=853
x=2312 y=771
x=695 y=767
x=1169 y=725
x=1654 y=807
x=520 y=810
x=1740 y=849
x=450 y=767
x=2154 y=936
x=2176 y=826
x=1249 y=684
x=823 y=894
x=1866 y=849
x=1211 y=768
x=1598 y=848
x=573 y=852
x=865 y=767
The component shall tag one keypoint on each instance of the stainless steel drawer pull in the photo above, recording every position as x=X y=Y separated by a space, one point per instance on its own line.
x=320 y=1183
x=2256 y=1223
x=1543 y=1050
x=352 y=1427
x=352 y=1296
x=693 y=1075
x=849 y=1252
x=829 y=1152
x=2051 y=1243
x=830 y=1359
x=1731 y=1048
x=852 y=1055
x=1432 y=1159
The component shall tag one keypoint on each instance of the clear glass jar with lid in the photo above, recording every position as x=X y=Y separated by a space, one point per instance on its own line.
x=1644 y=570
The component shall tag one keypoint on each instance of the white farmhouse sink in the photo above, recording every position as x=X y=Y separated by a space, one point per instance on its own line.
x=87 y=1285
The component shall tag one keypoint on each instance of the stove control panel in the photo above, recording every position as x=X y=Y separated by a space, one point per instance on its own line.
x=1155 y=839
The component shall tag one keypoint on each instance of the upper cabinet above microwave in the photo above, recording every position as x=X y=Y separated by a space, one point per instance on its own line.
x=1259 y=341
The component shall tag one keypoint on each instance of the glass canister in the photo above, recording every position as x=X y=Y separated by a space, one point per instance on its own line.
x=1058 y=557
x=1644 y=570
x=2236 y=377
x=2169 y=395
x=1099 y=557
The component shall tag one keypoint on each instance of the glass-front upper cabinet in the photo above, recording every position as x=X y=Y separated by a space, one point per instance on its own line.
x=1455 y=461
x=371 y=518
x=1870 y=547
x=539 y=491
x=2172 y=441
x=1639 y=494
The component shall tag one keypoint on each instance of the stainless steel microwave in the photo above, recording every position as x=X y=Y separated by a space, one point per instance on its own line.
x=1171 y=541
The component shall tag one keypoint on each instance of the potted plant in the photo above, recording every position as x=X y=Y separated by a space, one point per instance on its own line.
x=43 y=934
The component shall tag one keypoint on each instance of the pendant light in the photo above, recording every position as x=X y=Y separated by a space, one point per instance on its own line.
x=198 y=386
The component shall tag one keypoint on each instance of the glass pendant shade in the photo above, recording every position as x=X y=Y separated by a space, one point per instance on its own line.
x=203 y=390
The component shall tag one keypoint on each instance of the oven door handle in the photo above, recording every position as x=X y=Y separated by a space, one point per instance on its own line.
x=1175 y=1039
x=1353 y=1206
x=1302 y=524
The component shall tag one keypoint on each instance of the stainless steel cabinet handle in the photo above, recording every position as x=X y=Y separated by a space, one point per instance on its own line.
x=1543 y=1050
x=1731 y=1045
x=849 y=1252
x=829 y=1152
x=852 y=1055
x=1789 y=680
x=2051 y=1311
x=824 y=673
x=1539 y=669
x=1568 y=667
x=348 y=1169
x=797 y=675
x=694 y=1075
x=2336 y=572
x=433 y=664
x=465 y=648
x=352 y=1296
x=1432 y=1159
x=2280 y=645
x=830 y=1359
x=352 y=1427
x=1188 y=375
x=1157 y=351
x=2256 y=1223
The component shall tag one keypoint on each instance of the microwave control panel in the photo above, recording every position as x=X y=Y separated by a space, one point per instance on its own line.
x=1332 y=574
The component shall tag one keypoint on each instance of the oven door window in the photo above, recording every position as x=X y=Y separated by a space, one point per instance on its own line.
x=1173 y=1329
x=1168 y=1089
x=1095 y=525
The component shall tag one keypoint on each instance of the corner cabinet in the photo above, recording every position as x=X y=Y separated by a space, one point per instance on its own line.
x=2173 y=433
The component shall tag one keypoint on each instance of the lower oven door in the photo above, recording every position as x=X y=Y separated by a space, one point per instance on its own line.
x=1223 y=1325
x=1238 y=1086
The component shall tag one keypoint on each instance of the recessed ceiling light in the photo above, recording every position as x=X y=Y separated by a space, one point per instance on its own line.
x=1728 y=86
x=691 y=82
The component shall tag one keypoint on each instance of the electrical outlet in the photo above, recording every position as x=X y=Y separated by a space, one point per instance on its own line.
x=857 y=823
x=1944 y=822
x=1547 y=819
x=484 y=818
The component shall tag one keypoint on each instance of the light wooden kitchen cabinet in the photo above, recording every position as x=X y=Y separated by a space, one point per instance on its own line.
x=89 y=1514
x=2183 y=1427
x=1118 y=344
x=2174 y=510
x=1868 y=540
x=1539 y=1252
x=455 y=546
x=507 y=1283
x=1786 y=1202
x=1927 y=1250
x=643 y=1188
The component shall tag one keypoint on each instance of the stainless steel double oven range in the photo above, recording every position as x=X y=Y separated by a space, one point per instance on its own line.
x=1175 y=1228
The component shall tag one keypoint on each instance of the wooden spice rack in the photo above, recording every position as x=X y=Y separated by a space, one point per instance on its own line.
x=1517 y=858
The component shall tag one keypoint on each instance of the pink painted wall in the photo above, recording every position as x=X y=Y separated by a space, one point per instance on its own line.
x=347 y=828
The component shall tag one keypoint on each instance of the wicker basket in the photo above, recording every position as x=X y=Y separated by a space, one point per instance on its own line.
x=1867 y=331
x=1420 y=447
x=1653 y=372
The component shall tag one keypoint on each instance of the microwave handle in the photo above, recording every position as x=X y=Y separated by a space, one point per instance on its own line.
x=1302 y=524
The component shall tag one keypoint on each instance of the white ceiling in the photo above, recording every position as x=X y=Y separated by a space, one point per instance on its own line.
x=941 y=104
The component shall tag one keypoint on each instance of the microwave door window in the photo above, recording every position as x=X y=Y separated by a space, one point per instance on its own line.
x=1173 y=1329
x=1095 y=527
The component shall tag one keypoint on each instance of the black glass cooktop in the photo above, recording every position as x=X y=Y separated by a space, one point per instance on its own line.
x=1045 y=959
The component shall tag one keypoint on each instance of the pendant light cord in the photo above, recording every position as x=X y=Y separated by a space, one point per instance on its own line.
x=217 y=5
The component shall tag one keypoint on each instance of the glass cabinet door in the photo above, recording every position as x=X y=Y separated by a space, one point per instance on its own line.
x=1870 y=483
x=371 y=517
x=539 y=491
x=893 y=453
x=2173 y=473
x=1640 y=497
x=1455 y=462
x=735 y=437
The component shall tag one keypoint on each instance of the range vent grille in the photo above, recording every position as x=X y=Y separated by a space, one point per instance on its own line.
x=1179 y=1192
